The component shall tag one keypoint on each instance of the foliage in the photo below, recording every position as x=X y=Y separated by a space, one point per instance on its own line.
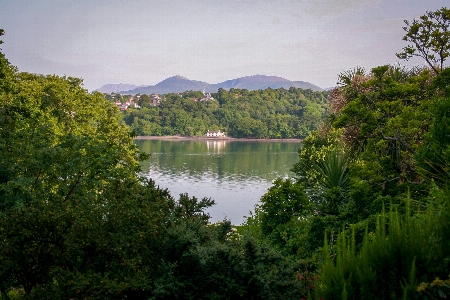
x=284 y=200
x=437 y=289
x=332 y=182
x=65 y=167
x=268 y=113
x=385 y=116
x=322 y=171
x=403 y=251
x=71 y=149
x=313 y=151
x=433 y=158
x=430 y=38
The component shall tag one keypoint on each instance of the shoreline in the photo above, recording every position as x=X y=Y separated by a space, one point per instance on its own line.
x=204 y=138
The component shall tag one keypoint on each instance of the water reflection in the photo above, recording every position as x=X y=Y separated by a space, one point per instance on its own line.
x=215 y=146
x=234 y=173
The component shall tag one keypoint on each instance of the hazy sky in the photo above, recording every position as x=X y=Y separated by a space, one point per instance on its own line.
x=143 y=42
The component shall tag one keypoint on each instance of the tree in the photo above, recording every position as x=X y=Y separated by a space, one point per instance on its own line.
x=72 y=149
x=388 y=112
x=284 y=200
x=248 y=127
x=430 y=38
x=433 y=158
x=6 y=71
x=312 y=154
x=63 y=156
x=144 y=100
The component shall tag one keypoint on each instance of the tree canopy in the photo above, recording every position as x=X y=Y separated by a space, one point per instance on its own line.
x=430 y=38
x=269 y=113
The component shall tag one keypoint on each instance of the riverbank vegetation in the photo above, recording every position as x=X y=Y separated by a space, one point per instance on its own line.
x=366 y=217
x=269 y=113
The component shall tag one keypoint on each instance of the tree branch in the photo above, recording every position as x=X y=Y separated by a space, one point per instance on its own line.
x=72 y=189
x=397 y=139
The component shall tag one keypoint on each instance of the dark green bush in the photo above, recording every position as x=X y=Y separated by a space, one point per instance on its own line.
x=404 y=251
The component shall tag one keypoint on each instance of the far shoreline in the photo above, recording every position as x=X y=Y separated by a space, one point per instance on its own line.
x=204 y=138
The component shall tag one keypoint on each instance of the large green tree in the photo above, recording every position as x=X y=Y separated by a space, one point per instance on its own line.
x=64 y=158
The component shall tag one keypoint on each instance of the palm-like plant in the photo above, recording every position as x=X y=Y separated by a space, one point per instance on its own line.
x=332 y=182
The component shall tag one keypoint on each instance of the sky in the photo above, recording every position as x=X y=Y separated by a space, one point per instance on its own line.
x=143 y=42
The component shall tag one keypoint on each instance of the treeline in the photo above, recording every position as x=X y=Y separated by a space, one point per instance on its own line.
x=269 y=113
x=366 y=217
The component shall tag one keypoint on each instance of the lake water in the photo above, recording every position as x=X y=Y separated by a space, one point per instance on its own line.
x=233 y=173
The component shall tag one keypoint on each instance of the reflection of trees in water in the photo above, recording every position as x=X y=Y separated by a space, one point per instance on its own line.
x=238 y=159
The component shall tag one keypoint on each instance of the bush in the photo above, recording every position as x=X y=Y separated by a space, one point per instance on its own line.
x=403 y=251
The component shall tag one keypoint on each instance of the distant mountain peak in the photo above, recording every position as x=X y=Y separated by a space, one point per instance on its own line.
x=178 y=77
x=178 y=83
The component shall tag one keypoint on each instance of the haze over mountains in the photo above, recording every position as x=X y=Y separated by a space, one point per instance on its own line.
x=116 y=88
x=180 y=84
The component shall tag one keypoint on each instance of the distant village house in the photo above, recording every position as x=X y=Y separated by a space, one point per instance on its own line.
x=155 y=100
x=215 y=134
x=207 y=97
x=127 y=104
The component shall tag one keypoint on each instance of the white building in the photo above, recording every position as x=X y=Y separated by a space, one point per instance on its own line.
x=215 y=134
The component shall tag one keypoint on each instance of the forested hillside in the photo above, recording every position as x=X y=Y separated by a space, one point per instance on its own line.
x=269 y=113
x=367 y=215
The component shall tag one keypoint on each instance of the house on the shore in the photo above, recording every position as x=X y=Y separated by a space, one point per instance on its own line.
x=215 y=134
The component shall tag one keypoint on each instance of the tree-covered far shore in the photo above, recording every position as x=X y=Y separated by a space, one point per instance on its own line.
x=269 y=113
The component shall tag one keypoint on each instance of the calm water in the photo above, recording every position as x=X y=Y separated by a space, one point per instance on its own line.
x=233 y=173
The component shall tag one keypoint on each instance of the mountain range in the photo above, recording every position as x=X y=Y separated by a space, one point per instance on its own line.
x=178 y=84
